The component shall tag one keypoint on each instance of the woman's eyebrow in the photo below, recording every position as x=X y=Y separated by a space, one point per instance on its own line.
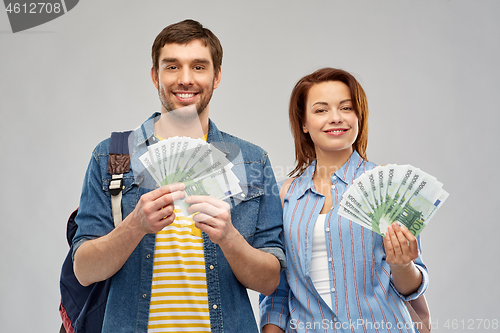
x=321 y=103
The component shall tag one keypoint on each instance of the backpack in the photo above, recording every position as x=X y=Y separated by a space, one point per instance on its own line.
x=82 y=308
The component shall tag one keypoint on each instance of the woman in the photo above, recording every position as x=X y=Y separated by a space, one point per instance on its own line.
x=341 y=277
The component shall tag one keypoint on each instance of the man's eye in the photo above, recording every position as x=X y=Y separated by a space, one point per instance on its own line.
x=198 y=68
x=171 y=67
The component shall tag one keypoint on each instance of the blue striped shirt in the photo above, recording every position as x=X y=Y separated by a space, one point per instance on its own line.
x=363 y=296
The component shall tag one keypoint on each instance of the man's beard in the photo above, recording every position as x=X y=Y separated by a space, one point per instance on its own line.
x=188 y=112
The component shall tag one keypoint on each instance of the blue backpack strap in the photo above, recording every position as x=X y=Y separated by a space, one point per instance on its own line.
x=118 y=164
x=82 y=308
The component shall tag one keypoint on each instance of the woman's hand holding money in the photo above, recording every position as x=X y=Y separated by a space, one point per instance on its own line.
x=401 y=248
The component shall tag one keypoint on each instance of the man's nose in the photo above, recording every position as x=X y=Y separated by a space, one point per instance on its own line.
x=186 y=77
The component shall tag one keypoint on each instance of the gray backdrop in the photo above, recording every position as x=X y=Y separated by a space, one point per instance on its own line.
x=430 y=70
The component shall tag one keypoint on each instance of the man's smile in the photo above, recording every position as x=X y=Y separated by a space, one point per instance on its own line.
x=185 y=96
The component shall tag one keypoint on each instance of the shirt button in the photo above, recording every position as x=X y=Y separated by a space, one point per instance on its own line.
x=330 y=259
x=242 y=195
x=144 y=295
x=148 y=256
x=333 y=187
x=215 y=306
x=333 y=290
x=334 y=177
x=211 y=267
x=327 y=229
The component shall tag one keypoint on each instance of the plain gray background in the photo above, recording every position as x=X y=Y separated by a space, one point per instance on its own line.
x=430 y=70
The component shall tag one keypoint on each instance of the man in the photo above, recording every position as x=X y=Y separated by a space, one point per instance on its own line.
x=166 y=277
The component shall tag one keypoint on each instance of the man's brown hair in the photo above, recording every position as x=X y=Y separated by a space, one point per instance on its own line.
x=185 y=32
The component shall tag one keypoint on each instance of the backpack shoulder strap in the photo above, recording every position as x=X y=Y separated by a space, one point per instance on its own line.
x=118 y=164
x=284 y=189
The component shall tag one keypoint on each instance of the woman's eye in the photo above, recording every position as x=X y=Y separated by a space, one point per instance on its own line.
x=346 y=108
x=320 y=111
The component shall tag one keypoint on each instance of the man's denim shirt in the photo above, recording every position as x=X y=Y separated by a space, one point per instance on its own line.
x=256 y=213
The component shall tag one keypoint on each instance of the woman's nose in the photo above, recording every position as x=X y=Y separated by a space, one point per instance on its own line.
x=335 y=117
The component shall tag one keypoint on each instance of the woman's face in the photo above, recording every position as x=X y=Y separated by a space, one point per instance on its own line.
x=330 y=117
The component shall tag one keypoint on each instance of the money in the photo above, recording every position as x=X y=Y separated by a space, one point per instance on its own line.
x=203 y=168
x=393 y=193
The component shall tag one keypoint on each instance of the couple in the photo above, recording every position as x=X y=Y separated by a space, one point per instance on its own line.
x=167 y=277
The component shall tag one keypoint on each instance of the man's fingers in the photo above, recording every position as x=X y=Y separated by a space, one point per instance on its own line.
x=205 y=227
x=204 y=218
x=194 y=199
x=168 y=219
x=164 y=190
x=205 y=208
x=169 y=198
x=161 y=214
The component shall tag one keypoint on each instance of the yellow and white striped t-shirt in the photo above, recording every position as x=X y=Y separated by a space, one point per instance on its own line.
x=179 y=298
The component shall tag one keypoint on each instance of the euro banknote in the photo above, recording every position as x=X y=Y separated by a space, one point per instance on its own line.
x=393 y=193
x=203 y=168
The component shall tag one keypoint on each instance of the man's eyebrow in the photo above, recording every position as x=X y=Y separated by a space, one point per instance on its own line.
x=196 y=61
x=165 y=60
x=202 y=61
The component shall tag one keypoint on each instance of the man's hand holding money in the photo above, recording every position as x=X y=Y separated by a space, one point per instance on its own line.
x=99 y=259
x=212 y=217
x=155 y=209
x=254 y=268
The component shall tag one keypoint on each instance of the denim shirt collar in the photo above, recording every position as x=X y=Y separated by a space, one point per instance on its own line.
x=147 y=133
x=345 y=174
x=215 y=137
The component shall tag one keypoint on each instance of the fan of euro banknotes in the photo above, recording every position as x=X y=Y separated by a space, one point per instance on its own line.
x=393 y=193
x=203 y=168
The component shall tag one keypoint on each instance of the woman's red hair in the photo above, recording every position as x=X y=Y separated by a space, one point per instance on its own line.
x=305 y=153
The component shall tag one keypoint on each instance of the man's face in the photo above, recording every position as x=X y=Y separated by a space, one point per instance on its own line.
x=185 y=77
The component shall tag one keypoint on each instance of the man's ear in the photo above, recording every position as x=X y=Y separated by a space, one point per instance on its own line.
x=154 y=77
x=217 y=79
